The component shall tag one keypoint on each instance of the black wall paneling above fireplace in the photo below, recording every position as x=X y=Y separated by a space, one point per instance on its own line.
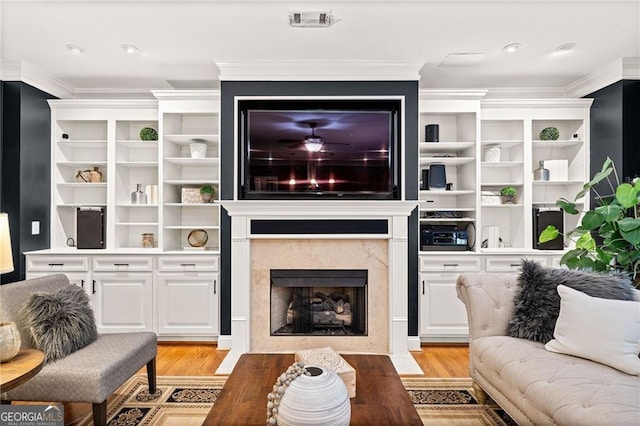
x=321 y=226
x=229 y=159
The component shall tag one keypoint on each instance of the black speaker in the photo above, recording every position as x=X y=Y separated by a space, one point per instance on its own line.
x=90 y=227
x=543 y=217
x=432 y=133
x=424 y=183
x=437 y=177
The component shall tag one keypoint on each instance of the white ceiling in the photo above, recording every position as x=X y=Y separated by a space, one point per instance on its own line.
x=182 y=42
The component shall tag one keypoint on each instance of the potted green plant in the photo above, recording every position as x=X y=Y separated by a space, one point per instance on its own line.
x=508 y=195
x=207 y=192
x=607 y=237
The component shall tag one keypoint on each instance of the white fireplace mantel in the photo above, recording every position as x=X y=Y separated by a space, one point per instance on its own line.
x=394 y=211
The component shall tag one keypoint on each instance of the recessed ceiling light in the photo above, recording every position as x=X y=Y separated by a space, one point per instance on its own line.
x=74 y=49
x=511 y=48
x=130 y=48
x=565 y=48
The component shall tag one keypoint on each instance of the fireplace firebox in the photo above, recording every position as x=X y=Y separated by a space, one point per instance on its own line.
x=318 y=302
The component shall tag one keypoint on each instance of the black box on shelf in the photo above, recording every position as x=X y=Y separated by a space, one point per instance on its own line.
x=543 y=217
x=90 y=226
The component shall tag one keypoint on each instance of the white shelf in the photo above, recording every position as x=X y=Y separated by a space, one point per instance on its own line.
x=445 y=146
x=452 y=219
x=455 y=209
x=82 y=163
x=502 y=164
x=74 y=205
x=83 y=185
x=136 y=206
x=449 y=161
x=187 y=161
x=86 y=143
x=214 y=204
x=538 y=144
x=506 y=143
x=192 y=227
x=188 y=139
x=192 y=181
x=136 y=223
x=138 y=164
x=138 y=144
x=557 y=182
x=500 y=206
x=452 y=193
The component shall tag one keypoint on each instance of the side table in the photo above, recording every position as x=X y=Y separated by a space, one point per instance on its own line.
x=21 y=368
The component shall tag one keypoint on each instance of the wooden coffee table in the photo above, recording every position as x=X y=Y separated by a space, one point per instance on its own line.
x=21 y=368
x=381 y=398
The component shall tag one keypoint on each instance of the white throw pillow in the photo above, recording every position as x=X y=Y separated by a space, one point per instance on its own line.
x=602 y=330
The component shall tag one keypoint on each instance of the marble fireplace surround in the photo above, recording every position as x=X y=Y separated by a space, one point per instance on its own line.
x=253 y=254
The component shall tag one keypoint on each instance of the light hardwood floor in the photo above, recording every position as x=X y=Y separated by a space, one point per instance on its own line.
x=202 y=359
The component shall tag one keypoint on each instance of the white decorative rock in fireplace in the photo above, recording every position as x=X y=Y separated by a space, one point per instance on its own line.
x=366 y=235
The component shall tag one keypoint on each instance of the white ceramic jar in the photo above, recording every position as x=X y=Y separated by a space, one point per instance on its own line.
x=9 y=341
x=318 y=399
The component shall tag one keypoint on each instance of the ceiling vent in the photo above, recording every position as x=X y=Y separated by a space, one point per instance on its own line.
x=463 y=59
x=310 y=19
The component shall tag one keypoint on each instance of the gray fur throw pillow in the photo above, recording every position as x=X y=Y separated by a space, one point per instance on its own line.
x=537 y=303
x=60 y=322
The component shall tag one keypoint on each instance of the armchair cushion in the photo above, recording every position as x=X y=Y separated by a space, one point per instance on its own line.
x=61 y=322
x=537 y=303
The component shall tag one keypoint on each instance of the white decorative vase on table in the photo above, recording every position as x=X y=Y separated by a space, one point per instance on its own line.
x=9 y=341
x=198 y=149
x=320 y=398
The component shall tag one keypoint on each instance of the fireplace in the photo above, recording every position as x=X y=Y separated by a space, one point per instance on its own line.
x=318 y=302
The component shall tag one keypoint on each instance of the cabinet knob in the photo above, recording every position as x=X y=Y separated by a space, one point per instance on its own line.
x=56 y=264
x=82 y=283
x=93 y=287
x=215 y=285
x=423 y=287
x=120 y=264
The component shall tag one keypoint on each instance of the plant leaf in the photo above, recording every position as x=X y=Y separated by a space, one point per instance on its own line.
x=592 y=220
x=548 y=234
x=567 y=206
x=610 y=212
x=570 y=258
x=586 y=242
x=627 y=195
x=630 y=230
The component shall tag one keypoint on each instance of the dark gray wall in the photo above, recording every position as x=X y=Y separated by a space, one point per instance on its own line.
x=25 y=185
x=615 y=130
x=230 y=89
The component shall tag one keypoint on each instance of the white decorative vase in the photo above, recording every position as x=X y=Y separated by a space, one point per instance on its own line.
x=492 y=154
x=198 y=150
x=9 y=341
x=318 y=399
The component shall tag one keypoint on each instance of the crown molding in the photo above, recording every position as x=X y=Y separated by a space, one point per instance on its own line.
x=451 y=94
x=31 y=75
x=190 y=95
x=333 y=70
x=526 y=92
x=533 y=103
x=103 y=103
x=621 y=69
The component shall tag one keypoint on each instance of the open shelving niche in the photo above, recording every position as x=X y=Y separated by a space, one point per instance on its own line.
x=183 y=124
x=457 y=149
x=102 y=134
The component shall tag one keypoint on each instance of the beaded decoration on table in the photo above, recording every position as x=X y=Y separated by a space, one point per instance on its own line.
x=273 y=398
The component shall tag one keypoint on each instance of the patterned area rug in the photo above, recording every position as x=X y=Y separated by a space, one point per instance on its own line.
x=186 y=400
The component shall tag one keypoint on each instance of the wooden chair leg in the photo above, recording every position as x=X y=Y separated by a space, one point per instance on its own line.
x=481 y=395
x=151 y=375
x=100 y=413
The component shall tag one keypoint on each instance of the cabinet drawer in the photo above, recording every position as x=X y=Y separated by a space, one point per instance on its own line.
x=122 y=263
x=453 y=264
x=510 y=263
x=187 y=263
x=57 y=263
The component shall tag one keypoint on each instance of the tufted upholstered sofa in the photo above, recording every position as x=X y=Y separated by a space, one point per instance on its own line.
x=535 y=386
x=90 y=374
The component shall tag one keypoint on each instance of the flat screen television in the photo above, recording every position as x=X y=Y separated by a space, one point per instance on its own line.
x=314 y=148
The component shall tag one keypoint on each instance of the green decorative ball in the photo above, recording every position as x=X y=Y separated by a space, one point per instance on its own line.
x=148 y=134
x=549 y=134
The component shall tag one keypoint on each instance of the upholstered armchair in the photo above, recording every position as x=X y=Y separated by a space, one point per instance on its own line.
x=91 y=373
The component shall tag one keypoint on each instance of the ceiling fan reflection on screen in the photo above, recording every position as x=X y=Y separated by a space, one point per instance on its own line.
x=312 y=142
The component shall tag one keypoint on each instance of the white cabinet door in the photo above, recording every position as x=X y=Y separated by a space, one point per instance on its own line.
x=123 y=301
x=188 y=304
x=443 y=316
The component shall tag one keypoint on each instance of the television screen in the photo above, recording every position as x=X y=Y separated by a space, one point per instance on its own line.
x=316 y=148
